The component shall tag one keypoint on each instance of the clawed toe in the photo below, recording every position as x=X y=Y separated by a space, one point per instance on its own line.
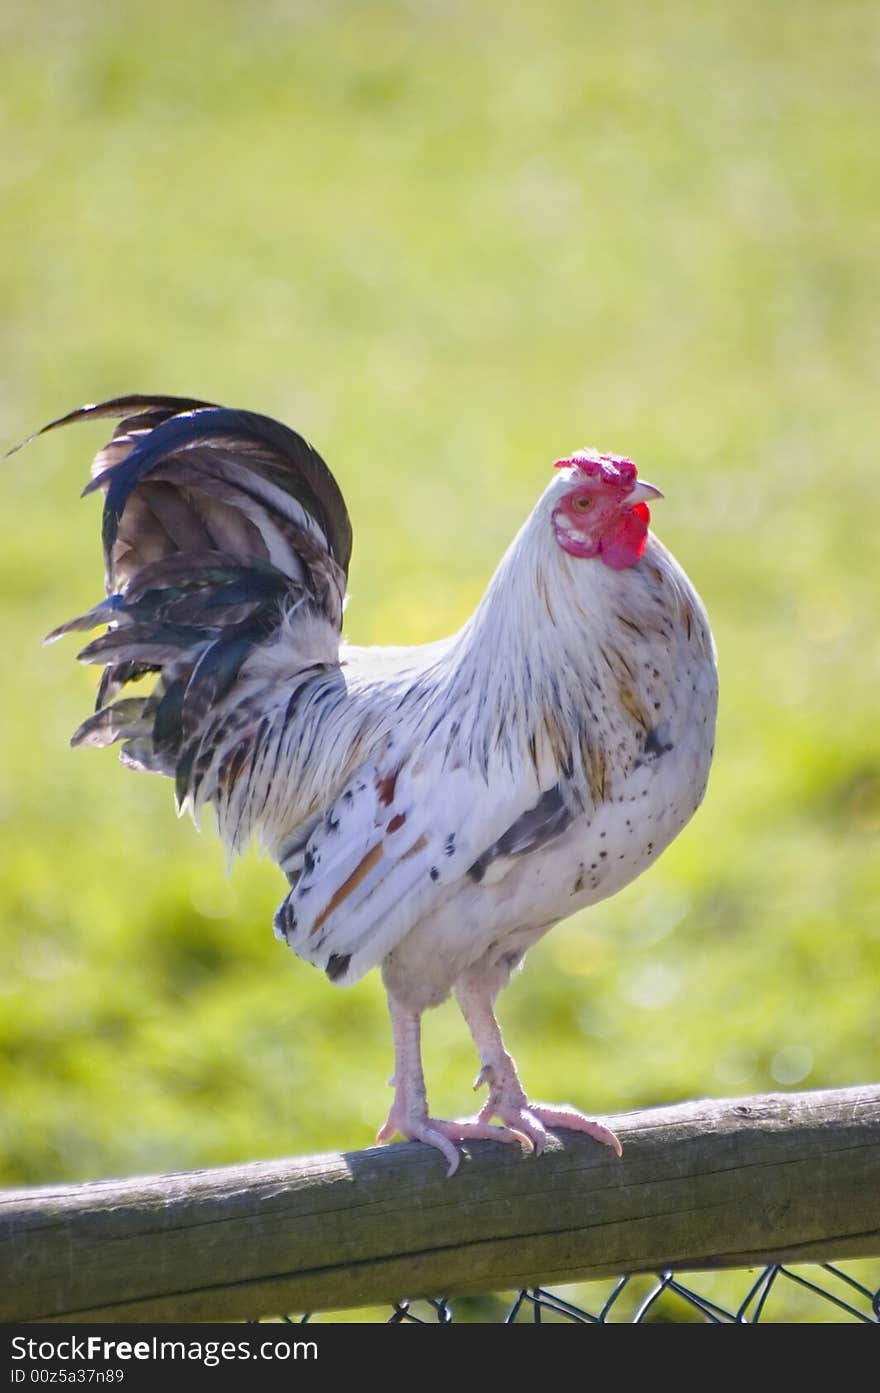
x=569 y=1119
x=521 y=1121
x=527 y=1124
x=443 y=1135
x=533 y=1120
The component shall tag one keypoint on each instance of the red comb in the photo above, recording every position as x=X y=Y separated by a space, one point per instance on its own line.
x=610 y=469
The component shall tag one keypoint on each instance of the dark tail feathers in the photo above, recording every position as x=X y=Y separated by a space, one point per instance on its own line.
x=218 y=524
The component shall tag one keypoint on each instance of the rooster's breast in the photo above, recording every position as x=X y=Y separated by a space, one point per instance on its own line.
x=652 y=699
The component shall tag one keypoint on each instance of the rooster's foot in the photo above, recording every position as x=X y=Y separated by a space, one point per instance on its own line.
x=436 y=1132
x=508 y=1102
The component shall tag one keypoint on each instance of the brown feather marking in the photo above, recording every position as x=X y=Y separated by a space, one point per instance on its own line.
x=632 y=706
x=687 y=615
x=396 y=822
x=625 y=665
x=231 y=774
x=614 y=661
x=541 y=587
x=373 y=856
x=556 y=739
x=415 y=848
x=598 y=776
x=386 y=785
x=533 y=750
x=595 y=768
x=631 y=624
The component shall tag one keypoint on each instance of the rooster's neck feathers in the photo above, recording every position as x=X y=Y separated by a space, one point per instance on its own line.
x=549 y=646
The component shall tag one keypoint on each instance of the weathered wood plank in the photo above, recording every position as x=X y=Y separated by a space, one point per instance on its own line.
x=702 y=1184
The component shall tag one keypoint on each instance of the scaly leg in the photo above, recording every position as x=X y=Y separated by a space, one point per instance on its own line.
x=409 y=1111
x=476 y=996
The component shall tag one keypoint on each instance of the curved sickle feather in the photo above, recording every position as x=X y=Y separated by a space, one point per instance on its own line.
x=225 y=535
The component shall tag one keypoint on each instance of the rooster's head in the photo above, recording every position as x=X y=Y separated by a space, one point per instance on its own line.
x=603 y=509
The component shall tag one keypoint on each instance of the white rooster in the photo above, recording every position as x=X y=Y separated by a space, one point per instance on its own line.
x=435 y=809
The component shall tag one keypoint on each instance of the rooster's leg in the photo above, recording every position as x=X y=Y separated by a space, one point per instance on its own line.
x=409 y=1111
x=476 y=994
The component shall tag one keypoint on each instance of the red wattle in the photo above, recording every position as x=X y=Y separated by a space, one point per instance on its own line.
x=623 y=545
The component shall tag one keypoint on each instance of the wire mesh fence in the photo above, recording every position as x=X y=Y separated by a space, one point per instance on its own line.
x=820 y=1292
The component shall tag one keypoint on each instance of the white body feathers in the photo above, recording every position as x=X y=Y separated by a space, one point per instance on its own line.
x=435 y=809
x=573 y=716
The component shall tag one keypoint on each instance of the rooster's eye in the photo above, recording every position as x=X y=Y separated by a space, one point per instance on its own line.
x=583 y=503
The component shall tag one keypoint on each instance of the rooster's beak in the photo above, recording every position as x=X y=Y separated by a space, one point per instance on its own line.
x=641 y=492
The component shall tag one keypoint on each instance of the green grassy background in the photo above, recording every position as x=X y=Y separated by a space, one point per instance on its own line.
x=448 y=243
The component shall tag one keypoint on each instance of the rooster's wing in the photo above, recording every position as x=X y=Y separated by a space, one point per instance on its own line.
x=401 y=838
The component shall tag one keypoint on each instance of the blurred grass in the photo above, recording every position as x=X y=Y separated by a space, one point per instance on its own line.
x=448 y=243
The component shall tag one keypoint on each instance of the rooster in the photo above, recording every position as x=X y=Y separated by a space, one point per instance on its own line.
x=435 y=809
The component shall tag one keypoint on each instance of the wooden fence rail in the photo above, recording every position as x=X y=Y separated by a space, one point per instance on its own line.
x=705 y=1184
